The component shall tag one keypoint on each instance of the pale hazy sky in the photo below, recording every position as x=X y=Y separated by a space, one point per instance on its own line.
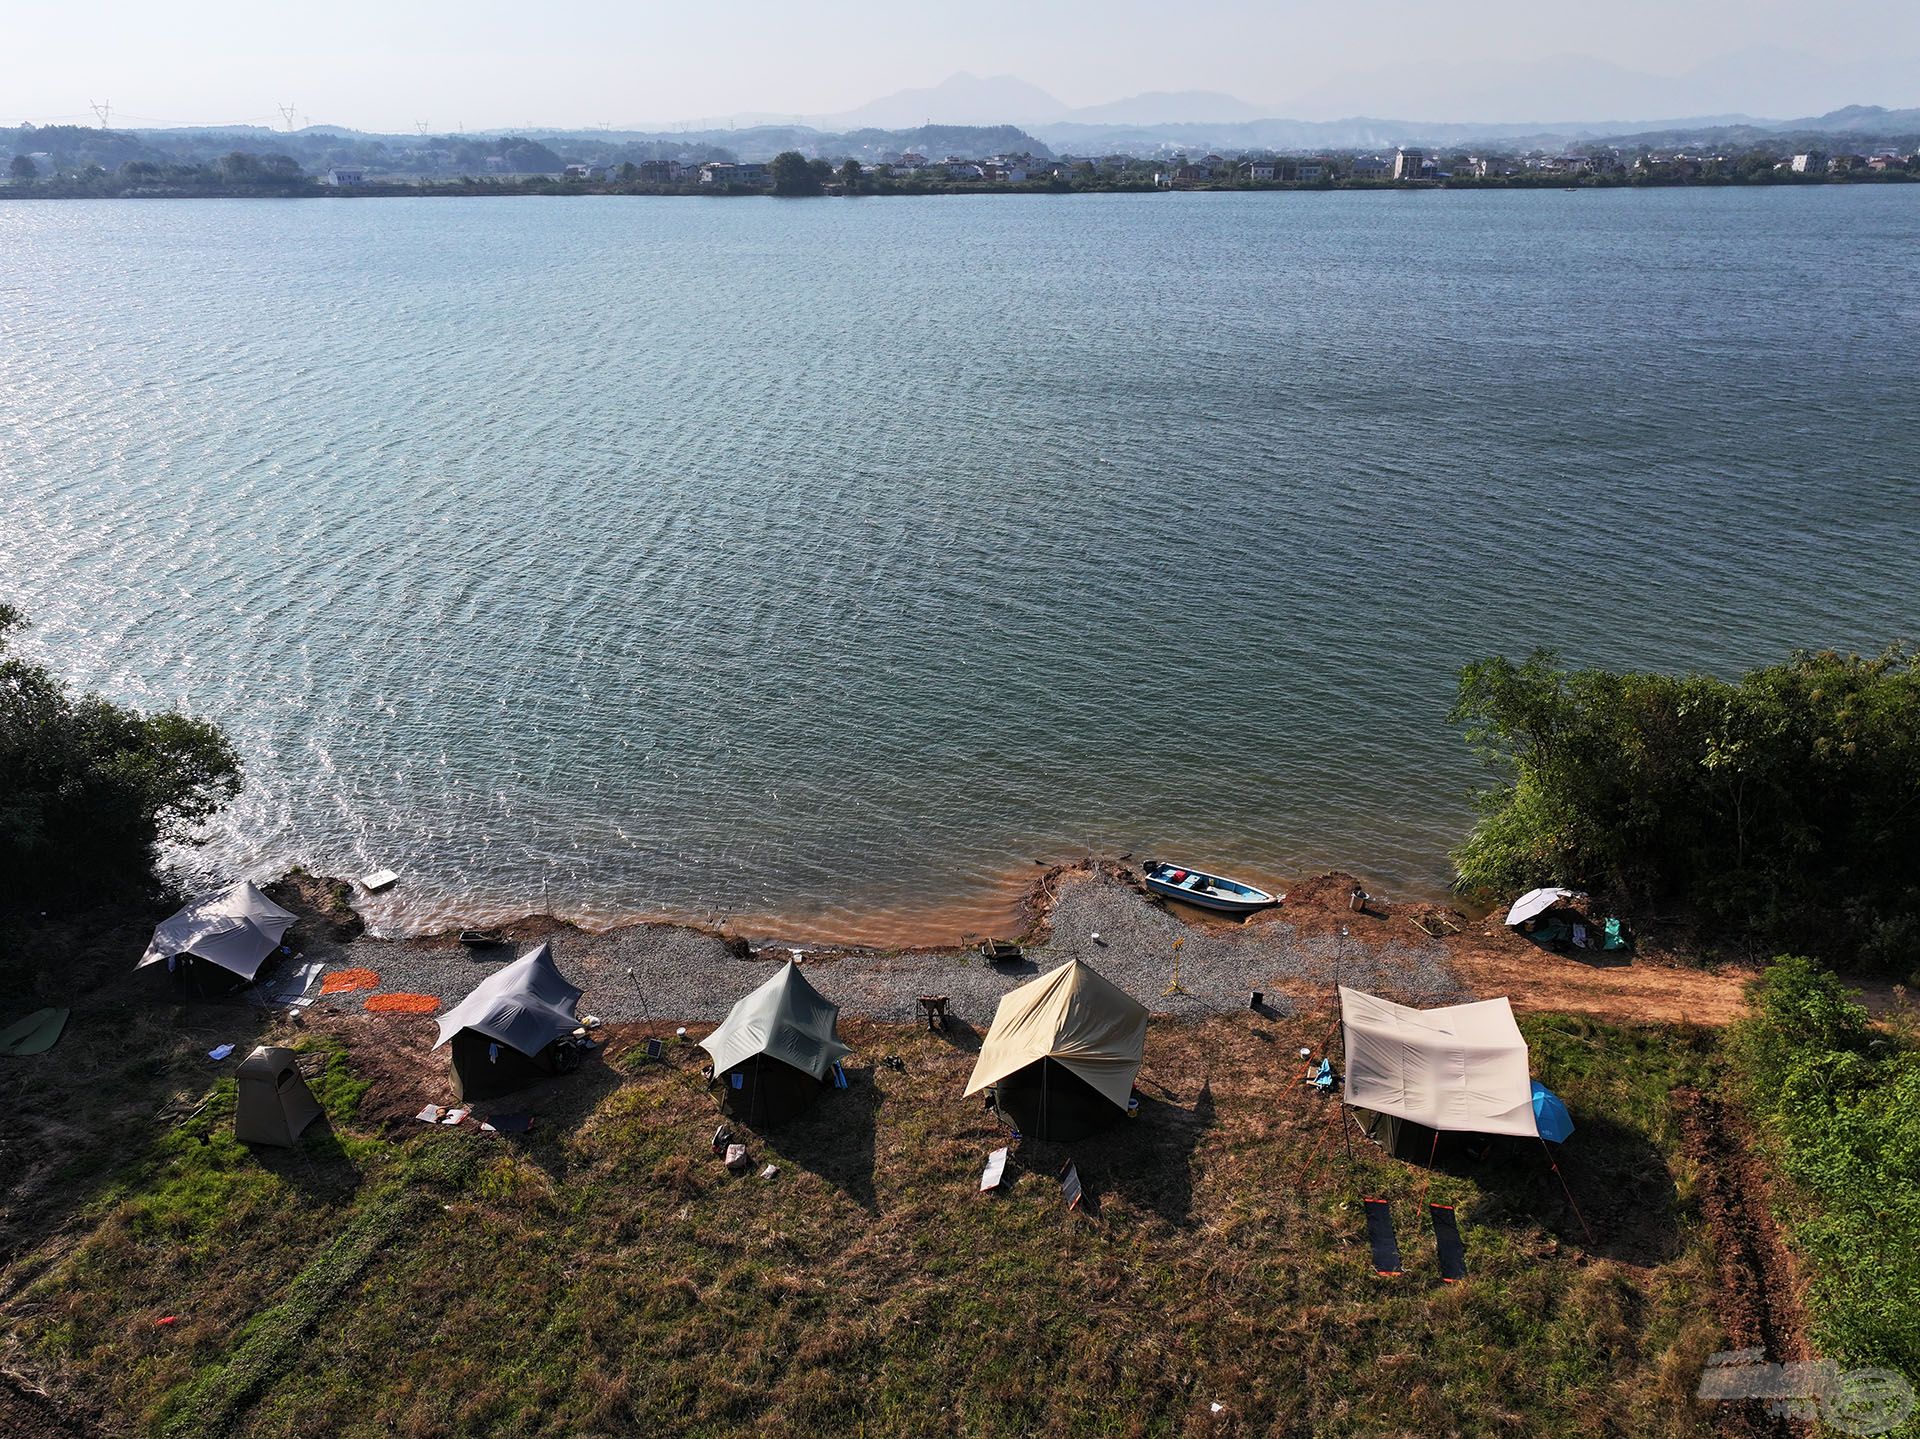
x=489 y=64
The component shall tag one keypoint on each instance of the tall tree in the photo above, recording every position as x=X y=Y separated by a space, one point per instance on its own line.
x=792 y=175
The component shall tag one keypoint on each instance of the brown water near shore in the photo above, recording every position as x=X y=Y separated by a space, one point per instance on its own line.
x=1004 y=908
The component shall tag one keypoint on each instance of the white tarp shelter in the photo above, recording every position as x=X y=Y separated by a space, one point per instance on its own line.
x=1461 y=1068
x=527 y=1005
x=1077 y=1018
x=1539 y=901
x=236 y=930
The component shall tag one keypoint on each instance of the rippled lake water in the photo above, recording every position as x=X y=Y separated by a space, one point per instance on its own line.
x=823 y=563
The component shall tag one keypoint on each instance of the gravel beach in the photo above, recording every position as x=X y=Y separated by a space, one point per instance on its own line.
x=662 y=972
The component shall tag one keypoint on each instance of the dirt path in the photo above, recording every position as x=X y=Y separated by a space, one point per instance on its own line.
x=1755 y=1292
x=1625 y=993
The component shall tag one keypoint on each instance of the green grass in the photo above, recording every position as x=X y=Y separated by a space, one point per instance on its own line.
x=604 y=1275
x=1839 y=1103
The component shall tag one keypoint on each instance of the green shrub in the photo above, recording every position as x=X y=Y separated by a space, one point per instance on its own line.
x=1771 y=806
x=1839 y=1102
x=88 y=788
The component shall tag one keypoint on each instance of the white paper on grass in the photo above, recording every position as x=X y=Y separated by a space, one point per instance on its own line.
x=996 y=1169
x=430 y=1115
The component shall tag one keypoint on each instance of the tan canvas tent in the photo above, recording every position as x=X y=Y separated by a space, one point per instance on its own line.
x=1462 y=1068
x=220 y=940
x=1063 y=1053
x=275 y=1104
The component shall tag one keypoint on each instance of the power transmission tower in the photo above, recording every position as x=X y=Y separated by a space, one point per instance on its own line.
x=421 y=126
x=103 y=109
x=288 y=111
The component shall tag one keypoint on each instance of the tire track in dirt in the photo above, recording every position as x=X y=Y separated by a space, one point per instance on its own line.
x=1754 y=1293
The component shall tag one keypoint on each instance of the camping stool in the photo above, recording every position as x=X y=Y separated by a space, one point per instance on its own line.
x=934 y=1006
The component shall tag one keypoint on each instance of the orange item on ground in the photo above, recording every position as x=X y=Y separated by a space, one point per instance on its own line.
x=402 y=1003
x=342 y=980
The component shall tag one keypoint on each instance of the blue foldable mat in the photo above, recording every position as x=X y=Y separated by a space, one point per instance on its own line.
x=1380 y=1236
x=1447 y=1241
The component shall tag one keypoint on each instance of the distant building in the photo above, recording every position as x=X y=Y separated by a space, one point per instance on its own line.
x=346 y=175
x=1258 y=170
x=726 y=172
x=1885 y=161
x=1813 y=162
x=1371 y=167
x=1310 y=172
x=1407 y=163
x=578 y=172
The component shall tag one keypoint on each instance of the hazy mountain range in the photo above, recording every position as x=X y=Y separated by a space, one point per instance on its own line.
x=1558 y=89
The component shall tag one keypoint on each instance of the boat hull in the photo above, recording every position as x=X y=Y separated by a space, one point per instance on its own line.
x=1218 y=901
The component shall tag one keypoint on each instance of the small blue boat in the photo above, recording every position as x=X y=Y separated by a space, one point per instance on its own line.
x=1209 y=891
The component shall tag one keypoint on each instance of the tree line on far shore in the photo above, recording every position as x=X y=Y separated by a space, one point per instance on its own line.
x=793 y=175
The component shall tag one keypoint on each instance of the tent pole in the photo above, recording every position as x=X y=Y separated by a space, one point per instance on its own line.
x=1572 y=1203
x=1340 y=1099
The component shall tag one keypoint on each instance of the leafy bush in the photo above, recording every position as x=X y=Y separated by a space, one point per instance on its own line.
x=1840 y=1103
x=1773 y=806
x=88 y=788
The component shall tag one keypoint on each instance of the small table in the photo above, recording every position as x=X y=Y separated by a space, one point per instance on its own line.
x=934 y=1006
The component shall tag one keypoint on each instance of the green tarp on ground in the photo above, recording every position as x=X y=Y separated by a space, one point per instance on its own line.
x=35 y=1034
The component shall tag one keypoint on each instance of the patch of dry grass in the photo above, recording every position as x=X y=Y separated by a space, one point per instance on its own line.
x=605 y=1275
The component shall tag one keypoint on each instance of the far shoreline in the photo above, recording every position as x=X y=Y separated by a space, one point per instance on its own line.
x=479 y=189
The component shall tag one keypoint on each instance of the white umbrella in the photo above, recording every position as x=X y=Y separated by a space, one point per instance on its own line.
x=1538 y=901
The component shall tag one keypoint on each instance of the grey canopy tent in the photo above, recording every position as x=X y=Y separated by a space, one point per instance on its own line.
x=510 y=1030
x=218 y=942
x=1063 y=1053
x=274 y=1104
x=775 y=1049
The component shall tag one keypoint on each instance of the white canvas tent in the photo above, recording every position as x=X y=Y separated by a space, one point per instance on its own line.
x=1539 y=901
x=1461 y=1068
x=235 y=930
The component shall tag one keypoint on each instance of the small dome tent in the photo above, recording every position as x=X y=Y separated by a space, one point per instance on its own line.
x=1417 y=1073
x=274 y=1104
x=510 y=1030
x=775 y=1049
x=218 y=942
x=1063 y=1053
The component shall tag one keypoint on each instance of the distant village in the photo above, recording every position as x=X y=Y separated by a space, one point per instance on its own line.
x=1403 y=166
x=58 y=162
